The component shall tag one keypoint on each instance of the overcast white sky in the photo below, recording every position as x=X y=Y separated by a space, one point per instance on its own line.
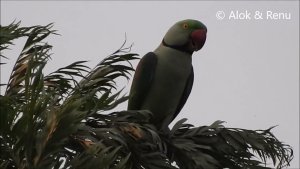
x=247 y=74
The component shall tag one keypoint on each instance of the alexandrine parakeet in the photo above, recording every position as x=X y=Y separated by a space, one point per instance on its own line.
x=164 y=78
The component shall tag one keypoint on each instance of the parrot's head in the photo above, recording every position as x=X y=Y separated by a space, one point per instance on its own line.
x=187 y=35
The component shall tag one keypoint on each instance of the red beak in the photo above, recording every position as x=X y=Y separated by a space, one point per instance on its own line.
x=198 y=38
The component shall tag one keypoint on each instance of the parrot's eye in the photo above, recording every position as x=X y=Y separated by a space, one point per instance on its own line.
x=185 y=26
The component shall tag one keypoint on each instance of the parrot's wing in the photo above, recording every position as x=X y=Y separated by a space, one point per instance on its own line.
x=142 y=81
x=185 y=94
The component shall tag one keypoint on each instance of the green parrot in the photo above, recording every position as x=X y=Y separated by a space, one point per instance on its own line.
x=164 y=78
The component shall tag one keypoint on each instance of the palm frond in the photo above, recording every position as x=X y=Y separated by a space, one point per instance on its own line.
x=63 y=81
x=130 y=130
x=14 y=31
x=39 y=113
x=215 y=146
x=34 y=55
x=96 y=156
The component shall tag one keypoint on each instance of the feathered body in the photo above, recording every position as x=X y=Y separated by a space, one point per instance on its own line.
x=164 y=77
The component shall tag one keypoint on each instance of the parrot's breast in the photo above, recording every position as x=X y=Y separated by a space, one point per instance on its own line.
x=172 y=71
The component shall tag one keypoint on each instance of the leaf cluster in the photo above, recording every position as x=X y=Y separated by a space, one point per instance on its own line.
x=40 y=113
x=216 y=146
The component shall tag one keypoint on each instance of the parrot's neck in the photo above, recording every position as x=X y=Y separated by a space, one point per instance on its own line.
x=173 y=56
x=182 y=48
